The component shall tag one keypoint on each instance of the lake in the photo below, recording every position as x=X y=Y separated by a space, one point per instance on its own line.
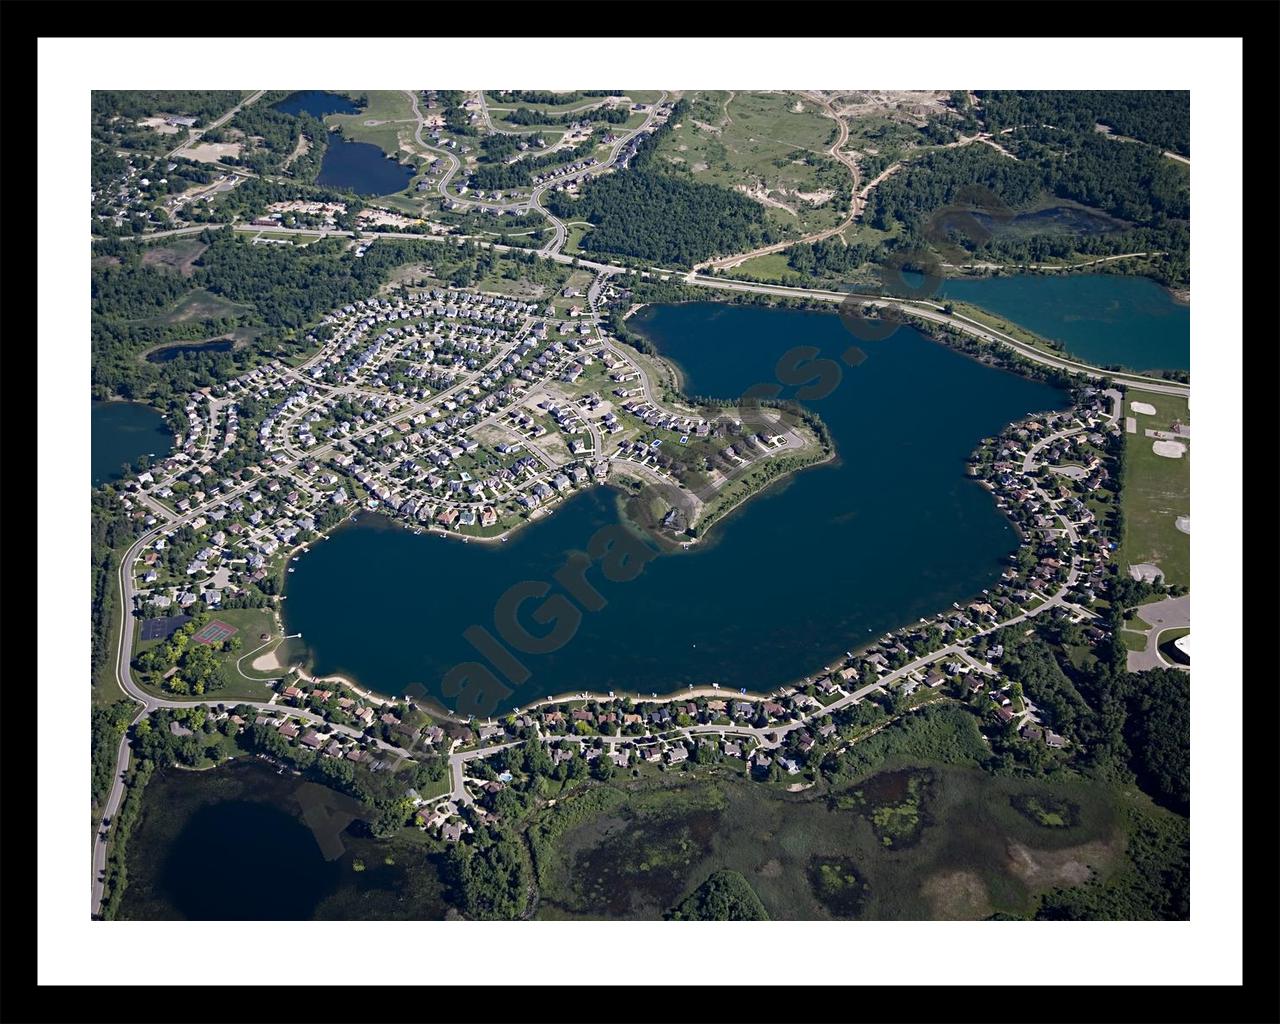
x=171 y=352
x=1102 y=319
x=122 y=431
x=363 y=168
x=229 y=844
x=836 y=556
x=317 y=103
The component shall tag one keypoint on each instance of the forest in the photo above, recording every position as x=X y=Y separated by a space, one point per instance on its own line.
x=653 y=214
x=724 y=896
x=664 y=218
x=1160 y=117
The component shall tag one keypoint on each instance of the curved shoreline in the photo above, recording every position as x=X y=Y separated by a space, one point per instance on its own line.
x=434 y=707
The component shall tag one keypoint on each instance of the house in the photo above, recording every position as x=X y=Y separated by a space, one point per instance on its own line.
x=452 y=831
x=677 y=754
x=312 y=739
x=289 y=729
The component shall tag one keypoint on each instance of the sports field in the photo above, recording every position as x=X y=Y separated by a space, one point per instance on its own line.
x=214 y=633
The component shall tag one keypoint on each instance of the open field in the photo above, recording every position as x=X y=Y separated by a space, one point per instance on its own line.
x=395 y=125
x=178 y=255
x=1156 y=490
x=961 y=844
x=197 y=304
x=761 y=144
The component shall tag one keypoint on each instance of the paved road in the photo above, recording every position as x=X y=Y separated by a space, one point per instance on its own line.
x=857 y=199
x=195 y=134
x=1170 y=613
x=933 y=311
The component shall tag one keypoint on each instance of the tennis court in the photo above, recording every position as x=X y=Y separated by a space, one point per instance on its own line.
x=214 y=633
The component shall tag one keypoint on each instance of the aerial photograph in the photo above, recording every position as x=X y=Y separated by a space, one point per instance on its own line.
x=639 y=505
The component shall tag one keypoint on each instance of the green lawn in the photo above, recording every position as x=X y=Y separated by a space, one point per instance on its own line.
x=389 y=106
x=1155 y=491
x=1133 y=641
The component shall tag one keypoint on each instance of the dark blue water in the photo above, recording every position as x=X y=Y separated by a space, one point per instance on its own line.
x=122 y=431
x=171 y=352
x=316 y=103
x=230 y=844
x=363 y=168
x=893 y=532
x=1103 y=319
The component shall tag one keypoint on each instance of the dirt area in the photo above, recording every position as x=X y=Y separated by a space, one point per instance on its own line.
x=761 y=195
x=301 y=149
x=267 y=663
x=157 y=124
x=957 y=896
x=1145 y=571
x=371 y=216
x=1044 y=869
x=210 y=152
x=815 y=198
x=1144 y=408
x=1183 y=523
x=1169 y=449
x=916 y=103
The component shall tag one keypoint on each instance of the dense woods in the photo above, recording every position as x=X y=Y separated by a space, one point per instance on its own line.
x=725 y=896
x=664 y=218
x=653 y=214
x=1160 y=117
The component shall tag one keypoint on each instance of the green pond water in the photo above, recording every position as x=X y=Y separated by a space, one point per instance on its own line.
x=892 y=531
x=1103 y=319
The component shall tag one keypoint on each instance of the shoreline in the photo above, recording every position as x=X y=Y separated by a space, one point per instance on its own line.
x=1008 y=363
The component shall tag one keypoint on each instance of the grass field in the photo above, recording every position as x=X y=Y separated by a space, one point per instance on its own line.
x=761 y=141
x=770 y=268
x=393 y=108
x=1155 y=491
x=178 y=255
x=198 y=304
